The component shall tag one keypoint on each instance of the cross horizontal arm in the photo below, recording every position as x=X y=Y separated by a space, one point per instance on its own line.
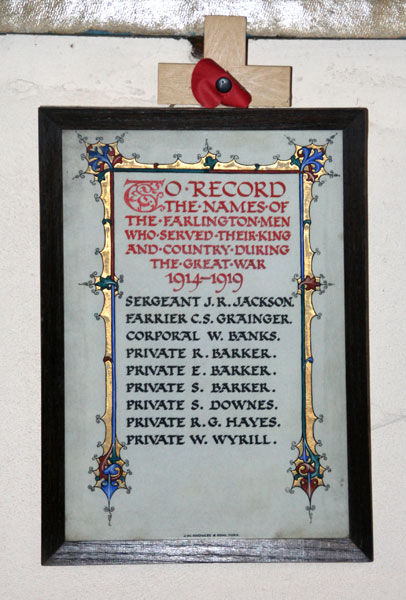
x=268 y=86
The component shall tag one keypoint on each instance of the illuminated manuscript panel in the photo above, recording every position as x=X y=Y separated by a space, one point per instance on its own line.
x=206 y=371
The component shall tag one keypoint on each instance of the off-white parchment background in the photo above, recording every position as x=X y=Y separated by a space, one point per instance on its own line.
x=71 y=71
x=186 y=489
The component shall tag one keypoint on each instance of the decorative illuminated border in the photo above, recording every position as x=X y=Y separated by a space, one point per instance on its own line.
x=104 y=160
x=307 y=470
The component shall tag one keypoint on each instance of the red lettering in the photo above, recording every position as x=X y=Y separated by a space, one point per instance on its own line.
x=214 y=187
x=177 y=184
x=240 y=193
x=273 y=194
x=198 y=187
x=233 y=183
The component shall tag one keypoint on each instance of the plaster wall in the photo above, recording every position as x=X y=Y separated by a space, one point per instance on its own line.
x=265 y=18
x=48 y=70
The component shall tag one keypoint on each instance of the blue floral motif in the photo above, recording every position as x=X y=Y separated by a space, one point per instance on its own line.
x=106 y=282
x=210 y=162
x=109 y=486
x=97 y=157
x=312 y=158
x=306 y=157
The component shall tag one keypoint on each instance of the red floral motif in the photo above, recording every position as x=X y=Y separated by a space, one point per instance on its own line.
x=307 y=482
x=310 y=283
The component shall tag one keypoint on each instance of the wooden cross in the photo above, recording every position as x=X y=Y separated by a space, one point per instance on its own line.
x=225 y=42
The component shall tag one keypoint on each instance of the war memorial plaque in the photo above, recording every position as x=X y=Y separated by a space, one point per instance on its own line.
x=207 y=337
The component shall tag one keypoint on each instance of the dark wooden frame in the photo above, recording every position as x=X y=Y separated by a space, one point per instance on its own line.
x=358 y=546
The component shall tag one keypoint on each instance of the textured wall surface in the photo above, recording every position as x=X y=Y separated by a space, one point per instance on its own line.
x=50 y=70
x=268 y=18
